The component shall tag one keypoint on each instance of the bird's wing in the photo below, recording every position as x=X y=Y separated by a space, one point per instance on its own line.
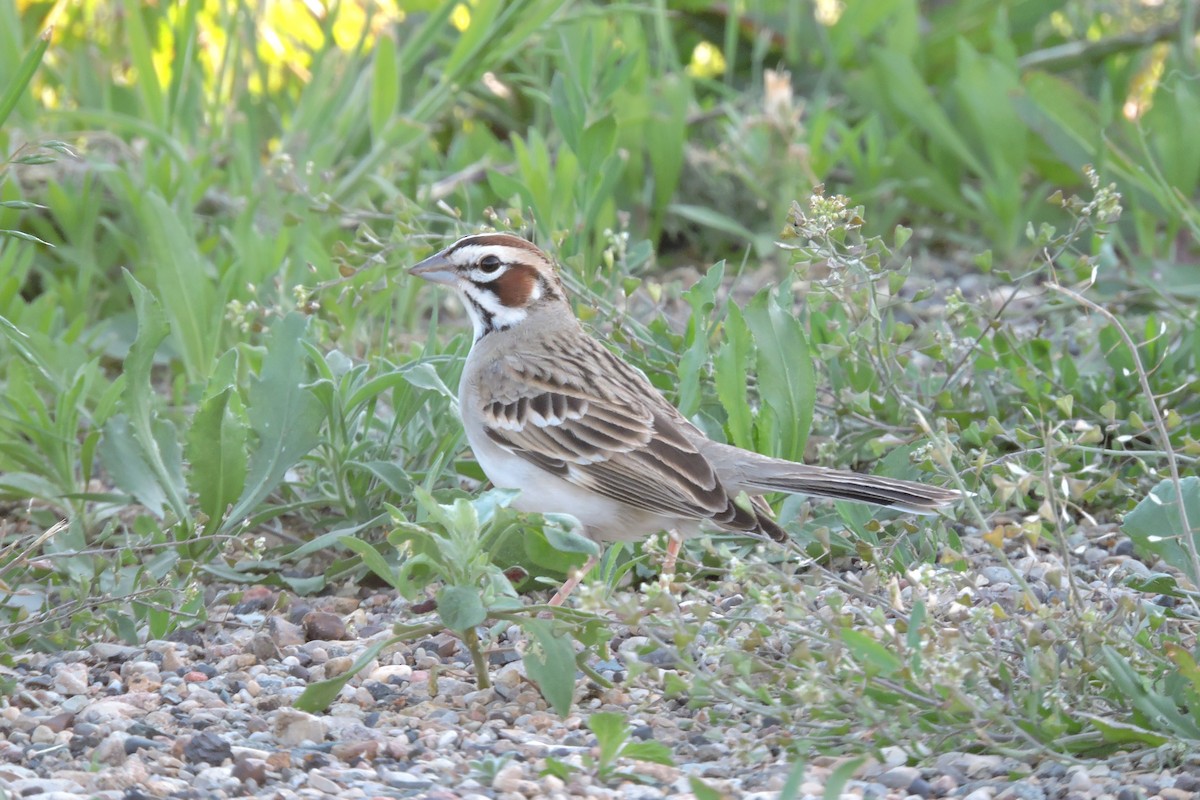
x=593 y=420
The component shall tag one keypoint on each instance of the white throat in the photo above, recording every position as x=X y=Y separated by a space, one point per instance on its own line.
x=487 y=313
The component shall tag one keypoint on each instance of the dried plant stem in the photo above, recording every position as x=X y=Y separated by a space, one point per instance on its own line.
x=1160 y=424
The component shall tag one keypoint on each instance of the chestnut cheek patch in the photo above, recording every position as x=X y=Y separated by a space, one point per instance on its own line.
x=516 y=286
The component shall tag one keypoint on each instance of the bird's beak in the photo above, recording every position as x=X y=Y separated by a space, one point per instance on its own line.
x=435 y=269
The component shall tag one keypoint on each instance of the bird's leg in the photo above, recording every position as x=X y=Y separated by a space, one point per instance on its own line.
x=674 y=542
x=573 y=579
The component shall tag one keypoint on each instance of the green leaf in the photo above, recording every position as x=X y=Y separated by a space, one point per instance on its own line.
x=841 y=776
x=702 y=790
x=654 y=752
x=1156 y=527
x=184 y=281
x=373 y=559
x=538 y=556
x=550 y=663
x=1156 y=583
x=487 y=504
x=122 y=457
x=24 y=74
x=318 y=696
x=612 y=732
x=385 y=86
x=334 y=537
x=141 y=54
x=912 y=97
x=566 y=107
x=460 y=607
x=871 y=654
x=1117 y=732
x=156 y=439
x=702 y=298
x=216 y=450
x=565 y=532
x=785 y=375
x=731 y=366
x=1159 y=712
x=284 y=414
x=597 y=143
x=422 y=375
x=708 y=218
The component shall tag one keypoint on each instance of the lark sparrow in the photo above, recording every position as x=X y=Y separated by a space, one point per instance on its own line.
x=551 y=411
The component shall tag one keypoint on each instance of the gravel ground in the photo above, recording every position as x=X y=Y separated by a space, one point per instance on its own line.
x=210 y=714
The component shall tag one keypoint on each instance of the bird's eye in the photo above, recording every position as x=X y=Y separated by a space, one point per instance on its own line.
x=489 y=263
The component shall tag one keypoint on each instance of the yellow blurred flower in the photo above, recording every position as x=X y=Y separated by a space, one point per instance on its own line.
x=460 y=18
x=707 y=61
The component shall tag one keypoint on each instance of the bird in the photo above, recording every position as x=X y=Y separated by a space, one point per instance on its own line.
x=550 y=410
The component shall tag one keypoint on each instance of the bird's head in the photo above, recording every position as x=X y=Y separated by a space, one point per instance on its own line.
x=501 y=278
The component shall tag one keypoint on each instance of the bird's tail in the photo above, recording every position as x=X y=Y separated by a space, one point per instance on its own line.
x=765 y=474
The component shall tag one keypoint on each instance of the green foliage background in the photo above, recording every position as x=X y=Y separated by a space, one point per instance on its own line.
x=211 y=366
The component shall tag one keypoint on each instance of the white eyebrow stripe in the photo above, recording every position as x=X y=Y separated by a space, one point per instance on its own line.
x=470 y=254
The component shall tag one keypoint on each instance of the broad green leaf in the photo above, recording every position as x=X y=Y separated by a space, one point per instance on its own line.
x=665 y=134
x=785 y=375
x=373 y=559
x=184 y=282
x=389 y=473
x=709 y=218
x=216 y=450
x=912 y=97
x=871 y=654
x=566 y=107
x=157 y=439
x=284 y=415
x=1118 y=732
x=122 y=457
x=612 y=732
x=550 y=663
x=565 y=532
x=1155 y=525
x=731 y=365
x=654 y=752
x=539 y=556
x=597 y=143
x=460 y=607
x=422 y=375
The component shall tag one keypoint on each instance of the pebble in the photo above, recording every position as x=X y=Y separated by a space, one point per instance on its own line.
x=71 y=679
x=1079 y=781
x=293 y=728
x=899 y=777
x=323 y=626
x=213 y=716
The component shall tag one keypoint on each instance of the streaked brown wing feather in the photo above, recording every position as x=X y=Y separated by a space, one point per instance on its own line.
x=605 y=429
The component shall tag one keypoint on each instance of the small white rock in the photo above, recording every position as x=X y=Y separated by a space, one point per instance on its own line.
x=508 y=778
x=71 y=679
x=291 y=727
